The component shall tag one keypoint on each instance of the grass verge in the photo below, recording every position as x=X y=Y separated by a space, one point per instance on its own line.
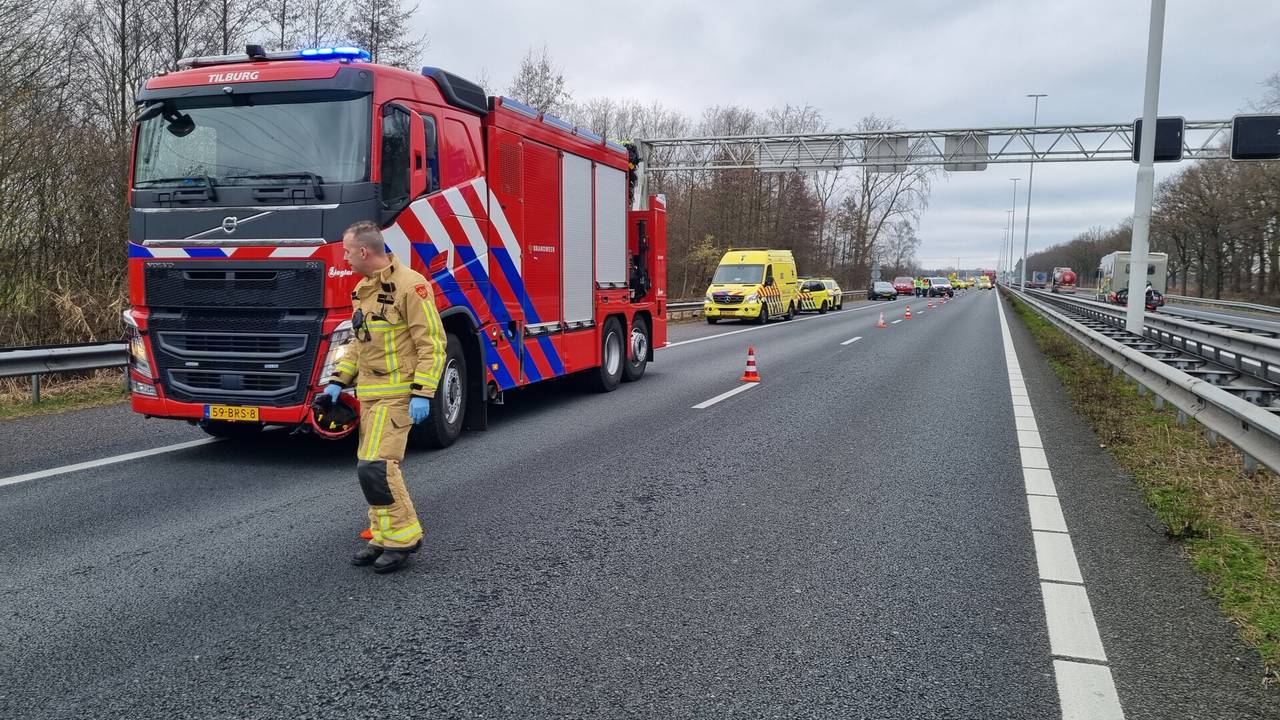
x=1227 y=521
x=61 y=393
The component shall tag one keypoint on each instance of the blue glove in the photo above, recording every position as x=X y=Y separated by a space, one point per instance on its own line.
x=333 y=390
x=419 y=409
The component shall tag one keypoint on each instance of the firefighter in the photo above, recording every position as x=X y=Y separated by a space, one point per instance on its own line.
x=399 y=353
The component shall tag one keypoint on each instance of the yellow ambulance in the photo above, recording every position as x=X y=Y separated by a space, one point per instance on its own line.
x=753 y=284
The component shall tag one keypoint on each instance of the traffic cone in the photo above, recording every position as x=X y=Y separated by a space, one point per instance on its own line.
x=930 y=304
x=750 y=374
x=908 y=316
x=881 y=324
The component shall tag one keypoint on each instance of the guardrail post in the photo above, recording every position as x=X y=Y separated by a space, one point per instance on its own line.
x=1158 y=402
x=1142 y=390
x=1250 y=464
x=128 y=387
x=1212 y=437
x=1182 y=418
x=35 y=388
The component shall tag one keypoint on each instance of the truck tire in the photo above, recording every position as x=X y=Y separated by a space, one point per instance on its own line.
x=449 y=407
x=638 y=351
x=613 y=356
x=763 y=317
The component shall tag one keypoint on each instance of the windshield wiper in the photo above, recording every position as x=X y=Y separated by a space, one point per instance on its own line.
x=206 y=193
x=315 y=179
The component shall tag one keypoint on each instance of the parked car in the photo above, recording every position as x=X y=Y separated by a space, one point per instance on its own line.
x=904 y=285
x=940 y=286
x=814 y=296
x=882 y=290
x=837 y=295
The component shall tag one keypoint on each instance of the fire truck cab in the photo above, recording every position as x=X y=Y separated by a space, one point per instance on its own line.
x=545 y=257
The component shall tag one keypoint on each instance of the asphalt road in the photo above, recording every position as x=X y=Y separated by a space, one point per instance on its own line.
x=849 y=538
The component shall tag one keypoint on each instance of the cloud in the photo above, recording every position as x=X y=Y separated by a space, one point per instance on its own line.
x=929 y=64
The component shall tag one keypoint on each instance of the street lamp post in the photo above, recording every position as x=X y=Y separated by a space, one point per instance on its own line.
x=1146 y=175
x=1013 y=223
x=1031 y=174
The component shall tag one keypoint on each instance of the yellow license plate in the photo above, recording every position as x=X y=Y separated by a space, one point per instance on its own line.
x=233 y=413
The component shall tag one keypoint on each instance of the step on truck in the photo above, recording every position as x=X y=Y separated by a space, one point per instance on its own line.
x=546 y=257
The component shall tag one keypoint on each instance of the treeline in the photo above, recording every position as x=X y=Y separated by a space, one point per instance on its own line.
x=67 y=92
x=1219 y=221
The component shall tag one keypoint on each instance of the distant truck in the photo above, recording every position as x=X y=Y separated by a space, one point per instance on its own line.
x=1039 y=279
x=1064 y=280
x=1113 y=276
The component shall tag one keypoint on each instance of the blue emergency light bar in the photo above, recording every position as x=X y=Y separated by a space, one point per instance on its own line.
x=342 y=53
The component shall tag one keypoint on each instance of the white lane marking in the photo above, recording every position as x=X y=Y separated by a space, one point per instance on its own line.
x=14 y=480
x=851 y=341
x=724 y=396
x=1039 y=482
x=1086 y=691
x=828 y=316
x=895 y=322
x=1033 y=458
x=1046 y=513
x=1056 y=558
x=1072 y=632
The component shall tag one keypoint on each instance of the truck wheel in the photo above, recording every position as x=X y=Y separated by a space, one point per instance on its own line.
x=449 y=406
x=763 y=317
x=638 y=355
x=233 y=430
x=613 y=355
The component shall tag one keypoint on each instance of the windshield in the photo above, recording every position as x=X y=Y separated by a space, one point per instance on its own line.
x=939 y=281
x=903 y=280
x=245 y=139
x=883 y=286
x=738 y=275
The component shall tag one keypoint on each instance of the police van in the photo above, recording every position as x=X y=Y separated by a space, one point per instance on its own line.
x=755 y=284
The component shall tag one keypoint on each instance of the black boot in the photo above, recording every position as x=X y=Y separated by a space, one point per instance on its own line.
x=366 y=555
x=392 y=560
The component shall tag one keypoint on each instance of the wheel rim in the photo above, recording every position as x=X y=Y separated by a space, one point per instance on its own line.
x=452 y=392
x=639 y=345
x=612 y=353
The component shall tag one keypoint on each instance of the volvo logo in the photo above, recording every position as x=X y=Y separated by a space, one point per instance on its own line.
x=229 y=224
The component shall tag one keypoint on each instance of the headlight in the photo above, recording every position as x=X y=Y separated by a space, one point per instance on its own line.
x=339 y=348
x=753 y=297
x=138 y=361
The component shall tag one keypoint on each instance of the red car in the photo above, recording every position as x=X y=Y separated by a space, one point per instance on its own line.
x=904 y=285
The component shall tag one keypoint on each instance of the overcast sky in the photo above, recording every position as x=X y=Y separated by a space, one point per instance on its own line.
x=930 y=64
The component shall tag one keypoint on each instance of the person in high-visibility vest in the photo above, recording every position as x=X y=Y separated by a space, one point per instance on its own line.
x=919 y=283
x=397 y=359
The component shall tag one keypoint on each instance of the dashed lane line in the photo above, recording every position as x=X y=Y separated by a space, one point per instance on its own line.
x=15 y=479
x=724 y=396
x=1086 y=688
x=828 y=316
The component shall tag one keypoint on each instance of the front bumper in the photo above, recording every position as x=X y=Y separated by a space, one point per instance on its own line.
x=177 y=410
x=743 y=311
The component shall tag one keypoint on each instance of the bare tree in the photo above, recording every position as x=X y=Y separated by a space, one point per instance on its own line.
x=540 y=83
x=383 y=28
x=230 y=23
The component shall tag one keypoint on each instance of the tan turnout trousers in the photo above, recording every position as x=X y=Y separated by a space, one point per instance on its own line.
x=384 y=431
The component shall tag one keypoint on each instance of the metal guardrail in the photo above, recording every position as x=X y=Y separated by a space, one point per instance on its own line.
x=1224 y=304
x=1253 y=429
x=37 y=361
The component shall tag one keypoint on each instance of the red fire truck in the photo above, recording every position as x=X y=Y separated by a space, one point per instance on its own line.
x=546 y=257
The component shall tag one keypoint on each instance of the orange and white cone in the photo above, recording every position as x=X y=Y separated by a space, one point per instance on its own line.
x=750 y=374
x=930 y=304
x=908 y=315
x=881 y=324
